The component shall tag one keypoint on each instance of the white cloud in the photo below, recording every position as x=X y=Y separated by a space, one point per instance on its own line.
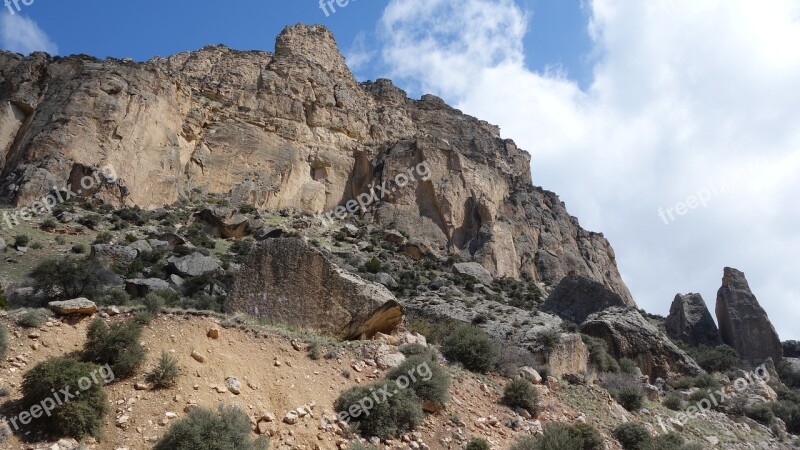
x=22 y=35
x=683 y=92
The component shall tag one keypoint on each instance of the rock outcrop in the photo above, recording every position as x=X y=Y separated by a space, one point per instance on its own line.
x=575 y=298
x=690 y=321
x=629 y=335
x=743 y=323
x=287 y=281
x=294 y=129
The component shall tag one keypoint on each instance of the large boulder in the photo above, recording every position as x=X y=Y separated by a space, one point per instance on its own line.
x=474 y=270
x=141 y=287
x=690 y=321
x=570 y=356
x=113 y=256
x=290 y=282
x=227 y=222
x=77 y=306
x=629 y=335
x=576 y=297
x=743 y=323
x=193 y=265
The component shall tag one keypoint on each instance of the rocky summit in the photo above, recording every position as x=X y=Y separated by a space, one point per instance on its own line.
x=252 y=249
x=289 y=129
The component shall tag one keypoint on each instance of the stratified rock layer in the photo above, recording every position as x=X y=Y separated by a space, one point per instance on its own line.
x=743 y=323
x=690 y=321
x=291 y=128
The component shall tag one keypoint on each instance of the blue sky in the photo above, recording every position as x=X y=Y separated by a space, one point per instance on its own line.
x=629 y=108
x=147 y=28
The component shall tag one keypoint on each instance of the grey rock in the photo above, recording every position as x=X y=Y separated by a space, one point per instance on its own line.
x=474 y=270
x=227 y=223
x=3 y=245
x=743 y=323
x=141 y=246
x=138 y=287
x=576 y=297
x=386 y=280
x=77 y=306
x=234 y=385
x=193 y=265
x=115 y=256
x=158 y=245
x=288 y=281
x=629 y=335
x=690 y=321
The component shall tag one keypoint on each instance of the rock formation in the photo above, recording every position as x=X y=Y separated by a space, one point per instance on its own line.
x=287 y=281
x=743 y=323
x=629 y=335
x=575 y=298
x=291 y=128
x=690 y=321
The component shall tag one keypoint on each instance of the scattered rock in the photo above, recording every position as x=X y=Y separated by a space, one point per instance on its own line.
x=139 y=288
x=213 y=333
x=234 y=385
x=193 y=265
x=198 y=357
x=77 y=306
x=474 y=270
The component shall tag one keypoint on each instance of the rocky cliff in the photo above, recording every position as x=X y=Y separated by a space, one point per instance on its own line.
x=292 y=128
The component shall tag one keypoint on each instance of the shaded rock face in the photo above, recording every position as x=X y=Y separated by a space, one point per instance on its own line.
x=569 y=357
x=287 y=281
x=575 y=298
x=743 y=323
x=629 y=335
x=289 y=129
x=690 y=321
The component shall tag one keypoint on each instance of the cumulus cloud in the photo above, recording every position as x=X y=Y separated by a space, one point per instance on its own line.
x=22 y=35
x=686 y=96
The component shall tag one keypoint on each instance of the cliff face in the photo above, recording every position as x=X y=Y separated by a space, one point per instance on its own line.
x=289 y=129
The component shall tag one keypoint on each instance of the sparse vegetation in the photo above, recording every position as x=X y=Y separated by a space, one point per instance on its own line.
x=716 y=359
x=83 y=415
x=632 y=436
x=599 y=356
x=66 y=278
x=166 y=372
x=471 y=347
x=33 y=318
x=521 y=394
x=432 y=381
x=398 y=414
x=625 y=389
x=204 y=429
x=117 y=345
x=478 y=444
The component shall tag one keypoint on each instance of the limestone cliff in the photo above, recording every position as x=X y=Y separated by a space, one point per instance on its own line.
x=292 y=128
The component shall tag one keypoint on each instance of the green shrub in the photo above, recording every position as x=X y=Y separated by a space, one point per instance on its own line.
x=84 y=414
x=21 y=240
x=203 y=429
x=526 y=443
x=521 y=394
x=373 y=265
x=478 y=444
x=118 y=346
x=394 y=416
x=626 y=390
x=599 y=356
x=761 y=413
x=548 y=340
x=33 y=318
x=706 y=381
x=471 y=347
x=788 y=374
x=66 y=278
x=3 y=342
x=358 y=445
x=116 y=297
x=790 y=414
x=143 y=317
x=628 y=366
x=79 y=249
x=592 y=439
x=632 y=436
x=4 y=304
x=630 y=397
x=716 y=359
x=432 y=381
x=153 y=303
x=699 y=395
x=410 y=350
x=104 y=238
x=673 y=401
x=559 y=436
x=166 y=372
x=49 y=224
